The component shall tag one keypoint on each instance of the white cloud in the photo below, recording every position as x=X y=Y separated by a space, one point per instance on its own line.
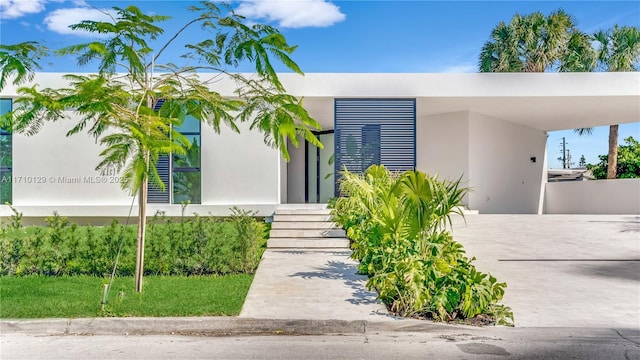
x=13 y=9
x=292 y=13
x=59 y=20
x=464 y=68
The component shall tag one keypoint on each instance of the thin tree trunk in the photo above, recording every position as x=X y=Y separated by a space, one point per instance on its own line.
x=142 y=221
x=612 y=158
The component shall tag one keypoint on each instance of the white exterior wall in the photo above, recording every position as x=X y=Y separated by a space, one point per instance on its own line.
x=619 y=196
x=442 y=146
x=491 y=155
x=503 y=178
x=485 y=126
x=52 y=173
x=239 y=169
x=50 y=169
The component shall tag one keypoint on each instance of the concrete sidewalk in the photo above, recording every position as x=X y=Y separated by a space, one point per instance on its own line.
x=311 y=284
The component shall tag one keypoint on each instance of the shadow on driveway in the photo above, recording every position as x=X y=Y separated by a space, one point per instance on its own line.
x=625 y=270
x=347 y=273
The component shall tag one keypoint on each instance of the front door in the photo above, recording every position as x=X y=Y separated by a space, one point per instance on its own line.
x=319 y=169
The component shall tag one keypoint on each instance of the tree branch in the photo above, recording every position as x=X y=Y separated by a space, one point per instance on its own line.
x=155 y=58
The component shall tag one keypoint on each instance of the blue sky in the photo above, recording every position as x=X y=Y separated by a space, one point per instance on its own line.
x=349 y=36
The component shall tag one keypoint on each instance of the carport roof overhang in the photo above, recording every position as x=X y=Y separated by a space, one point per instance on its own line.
x=544 y=101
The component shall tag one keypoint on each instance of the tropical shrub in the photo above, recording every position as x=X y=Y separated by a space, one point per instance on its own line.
x=398 y=224
x=628 y=164
x=195 y=245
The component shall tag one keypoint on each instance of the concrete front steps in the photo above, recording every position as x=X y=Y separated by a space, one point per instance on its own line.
x=304 y=226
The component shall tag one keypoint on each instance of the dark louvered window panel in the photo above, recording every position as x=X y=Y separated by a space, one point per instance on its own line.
x=156 y=195
x=375 y=131
x=158 y=105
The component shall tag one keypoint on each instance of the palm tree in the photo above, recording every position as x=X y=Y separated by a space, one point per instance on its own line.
x=537 y=43
x=617 y=49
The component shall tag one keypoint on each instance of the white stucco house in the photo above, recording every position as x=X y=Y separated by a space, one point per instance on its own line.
x=469 y=125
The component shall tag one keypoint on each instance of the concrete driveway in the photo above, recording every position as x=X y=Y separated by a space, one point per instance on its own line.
x=561 y=270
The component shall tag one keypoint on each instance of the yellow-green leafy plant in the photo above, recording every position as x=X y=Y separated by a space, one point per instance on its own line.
x=399 y=226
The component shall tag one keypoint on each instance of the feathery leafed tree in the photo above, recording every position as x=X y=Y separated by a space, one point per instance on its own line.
x=135 y=102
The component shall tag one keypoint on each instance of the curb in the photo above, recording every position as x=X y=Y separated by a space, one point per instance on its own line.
x=209 y=326
x=213 y=326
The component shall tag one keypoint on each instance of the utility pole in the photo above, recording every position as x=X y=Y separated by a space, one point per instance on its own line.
x=563 y=158
x=569 y=163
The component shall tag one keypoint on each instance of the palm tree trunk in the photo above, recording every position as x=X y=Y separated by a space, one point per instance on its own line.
x=612 y=158
x=142 y=213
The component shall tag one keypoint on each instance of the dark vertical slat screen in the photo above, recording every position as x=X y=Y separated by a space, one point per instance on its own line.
x=155 y=194
x=374 y=131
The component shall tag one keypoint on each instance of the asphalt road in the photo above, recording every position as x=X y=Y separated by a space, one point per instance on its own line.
x=498 y=343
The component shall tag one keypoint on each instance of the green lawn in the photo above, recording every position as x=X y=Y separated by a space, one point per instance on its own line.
x=79 y=296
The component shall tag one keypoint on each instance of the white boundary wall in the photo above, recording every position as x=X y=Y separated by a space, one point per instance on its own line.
x=620 y=196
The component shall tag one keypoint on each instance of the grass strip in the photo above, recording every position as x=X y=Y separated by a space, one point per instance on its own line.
x=79 y=296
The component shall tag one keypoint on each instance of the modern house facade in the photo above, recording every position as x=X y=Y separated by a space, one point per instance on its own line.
x=489 y=129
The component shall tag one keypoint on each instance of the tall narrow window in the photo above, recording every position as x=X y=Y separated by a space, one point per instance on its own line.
x=180 y=173
x=186 y=168
x=6 y=156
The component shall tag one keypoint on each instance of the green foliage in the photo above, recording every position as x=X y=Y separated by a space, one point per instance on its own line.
x=191 y=246
x=537 y=43
x=628 y=164
x=583 y=161
x=79 y=296
x=131 y=80
x=618 y=49
x=135 y=102
x=20 y=61
x=15 y=219
x=398 y=224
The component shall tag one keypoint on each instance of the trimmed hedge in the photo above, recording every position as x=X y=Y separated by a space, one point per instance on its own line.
x=197 y=245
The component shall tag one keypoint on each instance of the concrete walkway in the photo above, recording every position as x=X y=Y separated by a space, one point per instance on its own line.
x=310 y=284
x=561 y=271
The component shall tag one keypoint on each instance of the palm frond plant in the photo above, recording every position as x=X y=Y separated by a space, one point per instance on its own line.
x=399 y=226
